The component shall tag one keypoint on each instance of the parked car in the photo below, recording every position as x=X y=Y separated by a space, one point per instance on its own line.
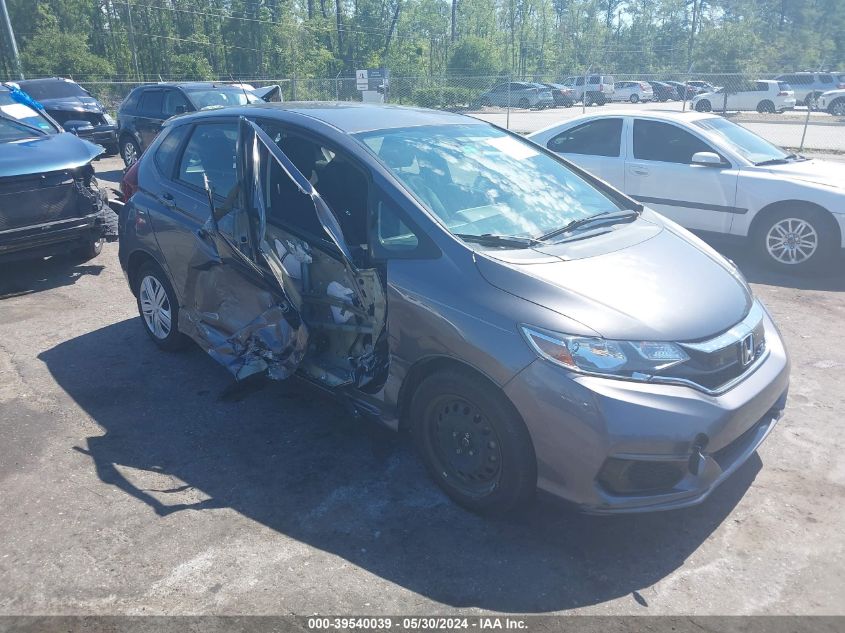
x=663 y=91
x=808 y=85
x=763 y=95
x=142 y=113
x=562 y=95
x=684 y=91
x=833 y=101
x=527 y=324
x=49 y=199
x=75 y=109
x=714 y=177
x=519 y=94
x=703 y=86
x=633 y=91
x=599 y=88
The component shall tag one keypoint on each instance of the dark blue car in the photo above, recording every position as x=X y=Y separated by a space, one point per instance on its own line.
x=49 y=199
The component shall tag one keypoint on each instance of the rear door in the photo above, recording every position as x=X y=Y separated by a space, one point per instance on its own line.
x=596 y=146
x=659 y=173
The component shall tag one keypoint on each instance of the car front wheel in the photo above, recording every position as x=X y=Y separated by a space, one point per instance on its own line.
x=703 y=106
x=837 y=108
x=795 y=239
x=130 y=151
x=473 y=442
x=158 y=307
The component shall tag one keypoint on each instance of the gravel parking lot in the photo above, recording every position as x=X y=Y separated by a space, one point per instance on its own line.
x=132 y=485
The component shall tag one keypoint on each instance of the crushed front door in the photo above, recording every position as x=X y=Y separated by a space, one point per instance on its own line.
x=343 y=306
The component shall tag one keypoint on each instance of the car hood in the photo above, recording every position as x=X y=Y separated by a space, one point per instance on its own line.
x=820 y=172
x=46 y=153
x=73 y=104
x=651 y=284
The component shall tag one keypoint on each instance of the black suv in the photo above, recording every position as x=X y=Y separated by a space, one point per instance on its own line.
x=140 y=116
x=75 y=109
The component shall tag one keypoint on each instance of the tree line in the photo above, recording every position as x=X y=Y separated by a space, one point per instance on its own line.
x=204 y=39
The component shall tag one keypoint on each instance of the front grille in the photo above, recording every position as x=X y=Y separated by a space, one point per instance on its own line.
x=717 y=361
x=63 y=116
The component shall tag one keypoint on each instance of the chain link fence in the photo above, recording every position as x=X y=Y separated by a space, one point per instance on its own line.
x=790 y=110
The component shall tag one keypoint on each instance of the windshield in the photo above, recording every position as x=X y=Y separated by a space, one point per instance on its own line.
x=11 y=111
x=219 y=96
x=742 y=141
x=479 y=180
x=53 y=90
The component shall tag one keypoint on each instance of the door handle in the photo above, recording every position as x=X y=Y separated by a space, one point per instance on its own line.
x=639 y=171
x=168 y=199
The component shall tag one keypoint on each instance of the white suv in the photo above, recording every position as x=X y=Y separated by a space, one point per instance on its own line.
x=808 y=86
x=763 y=95
x=833 y=101
x=599 y=88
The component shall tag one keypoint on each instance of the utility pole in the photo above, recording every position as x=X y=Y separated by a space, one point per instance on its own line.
x=10 y=34
x=131 y=41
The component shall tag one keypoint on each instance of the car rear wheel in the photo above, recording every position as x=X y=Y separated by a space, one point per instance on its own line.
x=634 y=98
x=473 y=442
x=158 y=307
x=130 y=151
x=837 y=108
x=766 y=106
x=524 y=103
x=795 y=239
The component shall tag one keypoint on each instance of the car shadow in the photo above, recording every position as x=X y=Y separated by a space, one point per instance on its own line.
x=37 y=275
x=832 y=278
x=302 y=466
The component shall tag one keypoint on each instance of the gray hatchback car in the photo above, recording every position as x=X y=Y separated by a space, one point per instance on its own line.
x=527 y=324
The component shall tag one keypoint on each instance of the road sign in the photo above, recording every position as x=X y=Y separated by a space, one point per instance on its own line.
x=361 y=80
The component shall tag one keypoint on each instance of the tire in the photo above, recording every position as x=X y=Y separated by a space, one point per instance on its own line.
x=149 y=280
x=601 y=100
x=703 y=106
x=634 y=98
x=798 y=239
x=473 y=442
x=130 y=151
x=837 y=108
x=766 y=107
x=485 y=102
x=524 y=103
x=89 y=251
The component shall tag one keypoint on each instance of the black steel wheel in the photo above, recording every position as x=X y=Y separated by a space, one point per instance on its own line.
x=473 y=442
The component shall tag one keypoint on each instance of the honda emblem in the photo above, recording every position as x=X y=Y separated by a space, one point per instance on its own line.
x=746 y=350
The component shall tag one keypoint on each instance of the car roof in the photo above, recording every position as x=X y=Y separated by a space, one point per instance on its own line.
x=348 y=117
x=189 y=84
x=42 y=80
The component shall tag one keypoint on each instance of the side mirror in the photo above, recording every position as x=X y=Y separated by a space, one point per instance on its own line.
x=180 y=109
x=708 y=159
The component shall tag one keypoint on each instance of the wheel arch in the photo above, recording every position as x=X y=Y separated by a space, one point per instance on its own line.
x=794 y=204
x=134 y=263
x=425 y=367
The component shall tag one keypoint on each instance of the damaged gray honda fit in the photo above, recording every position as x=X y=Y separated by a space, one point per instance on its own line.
x=529 y=325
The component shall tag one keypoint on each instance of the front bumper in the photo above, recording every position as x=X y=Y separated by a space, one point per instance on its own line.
x=49 y=238
x=579 y=423
x=105 y=135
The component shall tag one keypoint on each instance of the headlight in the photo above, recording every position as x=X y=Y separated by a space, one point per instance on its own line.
x=108 y=118
x=626 y=359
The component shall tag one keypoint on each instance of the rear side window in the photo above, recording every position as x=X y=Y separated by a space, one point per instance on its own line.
x=783 y=86
x=151 y=102
x=594 y=80
x=168 y=150
x=826 y=79
x=596 y=138
x=210 y=151
x=762 y=86
x=131 y=101
x=666 y=143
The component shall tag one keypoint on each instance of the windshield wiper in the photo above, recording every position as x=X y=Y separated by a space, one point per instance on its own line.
x=491 y=239
x=605 y=217
x=780 y=161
